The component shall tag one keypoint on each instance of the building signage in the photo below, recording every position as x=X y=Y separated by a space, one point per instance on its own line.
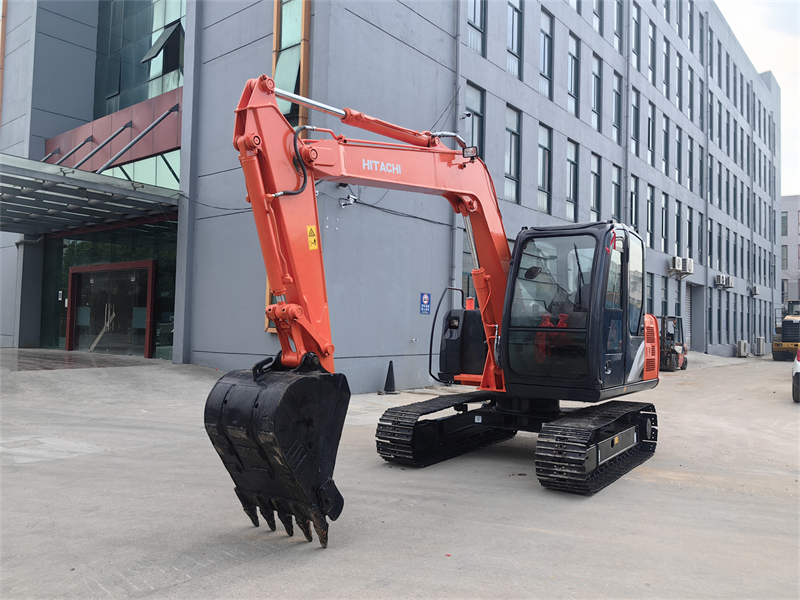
x=424 y=304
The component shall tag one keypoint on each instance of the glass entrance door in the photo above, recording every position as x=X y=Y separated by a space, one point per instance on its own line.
x=111 y=311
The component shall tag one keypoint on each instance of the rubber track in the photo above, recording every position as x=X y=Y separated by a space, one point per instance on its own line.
x=396 y=430
x=562 y=446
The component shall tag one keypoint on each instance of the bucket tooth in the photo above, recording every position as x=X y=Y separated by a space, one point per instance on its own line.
x=305 y=527
x=321 y=527
x=249 y=507
x=269 y=517
x=287 y=522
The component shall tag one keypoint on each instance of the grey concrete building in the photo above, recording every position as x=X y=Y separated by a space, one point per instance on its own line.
x=649 y=113
x=790 y=248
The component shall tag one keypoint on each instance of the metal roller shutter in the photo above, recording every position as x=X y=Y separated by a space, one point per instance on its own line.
x=687 y=319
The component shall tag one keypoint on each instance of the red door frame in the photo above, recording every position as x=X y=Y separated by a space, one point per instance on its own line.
x=72 y=292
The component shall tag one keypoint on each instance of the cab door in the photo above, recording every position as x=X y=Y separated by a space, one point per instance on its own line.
x=614 y=330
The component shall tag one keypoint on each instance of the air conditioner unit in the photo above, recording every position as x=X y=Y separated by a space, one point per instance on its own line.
x=728 y=281
x=759 y=346
x=719 y=280
x=688 y=266
x=755 y=291
x=675 y=263
x=741 y=349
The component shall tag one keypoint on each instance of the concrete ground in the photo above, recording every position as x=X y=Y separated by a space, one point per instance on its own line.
x=111 y=488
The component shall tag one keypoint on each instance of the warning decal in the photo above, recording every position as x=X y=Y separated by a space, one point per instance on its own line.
x=313 y=239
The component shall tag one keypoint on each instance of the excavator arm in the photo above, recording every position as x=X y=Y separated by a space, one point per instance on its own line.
x=280 y=172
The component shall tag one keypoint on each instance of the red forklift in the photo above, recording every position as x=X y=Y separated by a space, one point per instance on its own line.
x=673 y=346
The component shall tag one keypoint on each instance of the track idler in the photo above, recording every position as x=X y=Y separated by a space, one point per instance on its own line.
x=277 y=433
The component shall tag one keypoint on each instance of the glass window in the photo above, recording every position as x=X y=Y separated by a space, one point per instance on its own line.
x=618 y=25
x=635 y=285
x=476 y=25
x=651 y=54
x=597 y=16
x=544 y=171
x=664 y=221
x=573 y=75
x=784 y=221
x=665 y=148
x=635 y=122
x=546 y=56
x=514 y=34
x=572 y=181
x=597 y=92
x=651 y=215
x=636 y=33
x=665 y=84
x=617 y=109
x=651 y=135
x=596 y=188
x=635 y=201
x=552 y=290
x=512 y=155
x=616 y=192
x=474 y=122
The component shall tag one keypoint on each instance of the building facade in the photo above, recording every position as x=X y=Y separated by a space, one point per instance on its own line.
x=790 y=248
x=648 y=113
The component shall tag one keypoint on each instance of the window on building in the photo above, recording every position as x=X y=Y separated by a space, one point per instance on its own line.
x=596 y=189
x=597 y=92
x=476 y=25
x=784 y=221
x=650 y=278
x=512 y=154
x=597 y=16
x=635 y=122
x=784 y=291
x=700 y=235
x=616 y=192
x=474 y=123
x=651 y=54
x=651 y=216
x=678 y=155
x=665 y=147
x=700 y=104
x=785 y=257
x=636 y=34
x=139 y=54
x=690 y=164
x=665 y=84
x=572 y=181
x=651 y=135
x=701 y=40
x=546 y=56
x=679 y=82
x=514 y=41
x=710 y=115
x=618 y=25
x=635 y=202
x=690 y=25
x=545 y=169
x=666 y=16
x=664 y=295
x=710 y=316
x=664 y=221
x=690 y=232
x=575 y=5
x=710 y=243
x=700 y=171
x=573 y=75
x=617 y=108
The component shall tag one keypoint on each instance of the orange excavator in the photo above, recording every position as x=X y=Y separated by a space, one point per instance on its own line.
x=558 y=319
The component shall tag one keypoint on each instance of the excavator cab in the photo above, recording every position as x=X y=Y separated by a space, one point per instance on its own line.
x=573 y=326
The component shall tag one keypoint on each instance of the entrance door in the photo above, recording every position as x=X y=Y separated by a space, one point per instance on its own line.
x=110 y=309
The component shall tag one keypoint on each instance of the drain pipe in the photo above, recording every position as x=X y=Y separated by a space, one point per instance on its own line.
x=456 y=127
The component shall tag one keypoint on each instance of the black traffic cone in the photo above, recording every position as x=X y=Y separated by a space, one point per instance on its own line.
x=388 y=387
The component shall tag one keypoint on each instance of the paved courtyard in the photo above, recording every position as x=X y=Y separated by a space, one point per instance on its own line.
x=111 y=488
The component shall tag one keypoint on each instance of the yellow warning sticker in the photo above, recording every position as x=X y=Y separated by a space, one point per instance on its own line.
x=313 y=238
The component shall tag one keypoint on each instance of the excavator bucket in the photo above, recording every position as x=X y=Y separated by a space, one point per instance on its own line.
x=277 y=433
